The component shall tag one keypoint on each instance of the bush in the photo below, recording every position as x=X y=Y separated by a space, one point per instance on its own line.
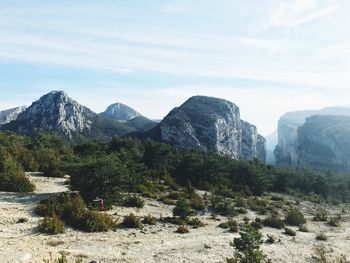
x=295 y=217
x=248 y=246
x=182 y=209
x=149 y=220
x=62 y=259
x=131 y=221
x=22 y=220
x=196 y=202
x=224 y=206
x=321 y=215
x=321 y=237
x=182 y=230
x=273 y=221
x=96 y=222
x=231 y=225
x=133 y=201
x=335 y=221
x=271 y=239
x=51 y=226
x=71 y=208
x=195 y=223
x=257 y=223
x=289 y=232
x=303 y=228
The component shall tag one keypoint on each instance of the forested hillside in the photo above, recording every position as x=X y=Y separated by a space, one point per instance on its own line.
x=147 y=167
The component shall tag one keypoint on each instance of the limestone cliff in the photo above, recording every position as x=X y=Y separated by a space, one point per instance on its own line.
x=211 y=124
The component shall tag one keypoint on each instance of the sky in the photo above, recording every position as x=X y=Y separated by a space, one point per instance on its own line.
x=267 y=56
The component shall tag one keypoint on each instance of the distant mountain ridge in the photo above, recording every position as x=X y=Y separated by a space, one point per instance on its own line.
x=9 y=115
x=292 y=128
x=57 y=112
x=202 y=123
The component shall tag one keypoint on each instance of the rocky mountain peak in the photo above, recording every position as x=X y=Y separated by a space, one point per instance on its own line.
x=211 y=124
x=54 y=112
x=120 y=112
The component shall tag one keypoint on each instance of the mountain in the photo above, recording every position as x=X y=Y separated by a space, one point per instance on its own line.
x=323 y=143
x=7 y=116
x=271 y=143
x=120 y=112
x=129 y=116
x=141 y=124
x=210 y=124
x=286 y=152
x=56 y=112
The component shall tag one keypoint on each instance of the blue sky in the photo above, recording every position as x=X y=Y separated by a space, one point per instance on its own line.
x=267 y=56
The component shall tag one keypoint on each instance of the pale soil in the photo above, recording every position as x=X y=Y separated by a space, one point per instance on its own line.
x=160 y=243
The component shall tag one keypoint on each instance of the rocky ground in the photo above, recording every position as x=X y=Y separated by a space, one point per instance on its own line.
x=21 y=242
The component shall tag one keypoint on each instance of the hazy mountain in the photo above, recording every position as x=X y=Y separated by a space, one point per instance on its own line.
x=286 y=152
x=323 y=142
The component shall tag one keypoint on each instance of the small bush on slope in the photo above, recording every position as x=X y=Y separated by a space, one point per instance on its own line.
x=71 y=208
x=295 y=217
x=51 y=226
x=248 y=246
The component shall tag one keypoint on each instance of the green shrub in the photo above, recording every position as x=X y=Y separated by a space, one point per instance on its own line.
x=231 y=225
x=224 y=206
x=241 y=210
x=321 y=215
x=195 y=222
x=248 y=246
x=133 y=201
x=22 y=220
x=62 y=259
x=273 y=221
x=196 y=202
x=257 y=223
x=96 y=222
x=149 y=220
x=321 y=237
x=54 y=173
x=240 y=201
x=277 y=198
x=303 y=228
x=182 y=209
x=51 y=226
x=131 y=221
x=71 y=208
x=182 y=230
x=295 y=217
x=271 y=239
x=335 y=221
x=289 y=232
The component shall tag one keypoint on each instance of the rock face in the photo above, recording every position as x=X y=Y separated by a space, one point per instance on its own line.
x=54 y=112
x=120 y=112
x=7 y=116
x=286 y=152
x=323 y=143
x=211 y=124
